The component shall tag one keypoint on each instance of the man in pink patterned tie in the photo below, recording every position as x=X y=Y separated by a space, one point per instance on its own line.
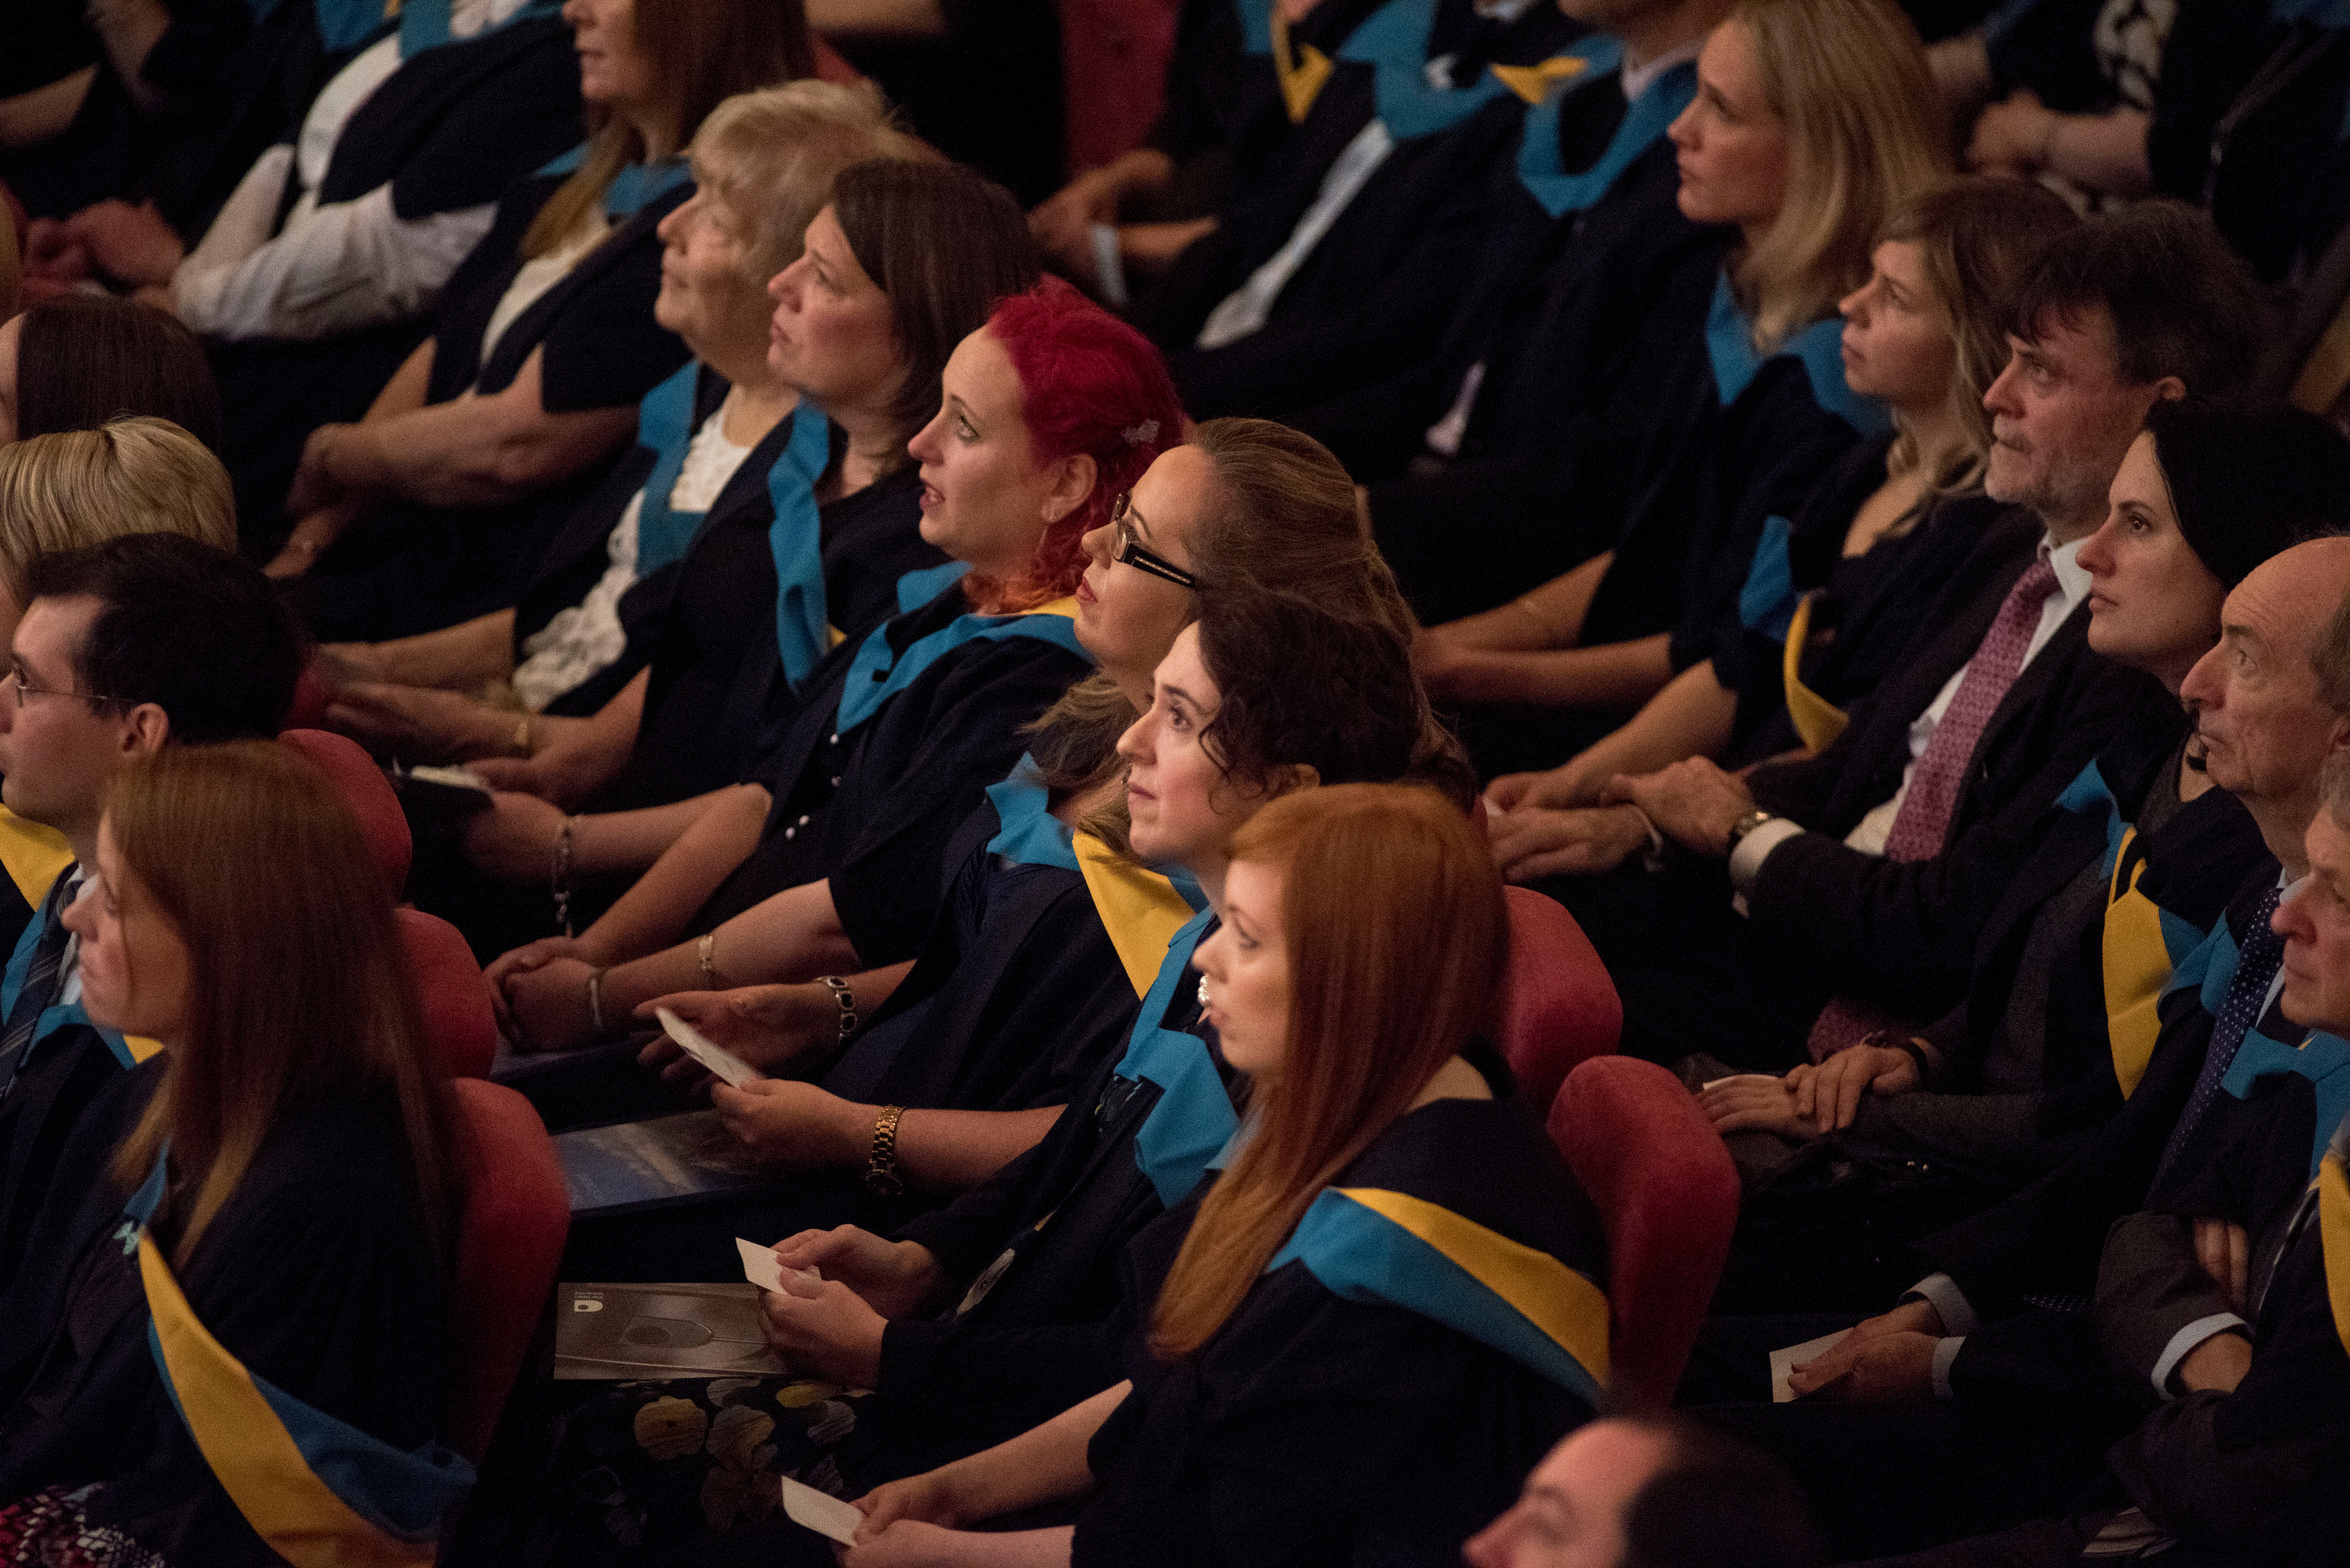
x=1864 y=873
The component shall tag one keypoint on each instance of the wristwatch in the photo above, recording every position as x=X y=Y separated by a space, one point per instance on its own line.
x=881 y=1166
x=1744 y=826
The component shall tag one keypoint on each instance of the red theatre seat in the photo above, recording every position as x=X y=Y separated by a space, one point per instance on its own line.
x=1558 y=1007
x=1114 y=55
x=368 y=794
x=451 y=994
x=1667 y=1195
x=516 y=1215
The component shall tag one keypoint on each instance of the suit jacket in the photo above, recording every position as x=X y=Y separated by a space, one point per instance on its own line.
x=1903 y=933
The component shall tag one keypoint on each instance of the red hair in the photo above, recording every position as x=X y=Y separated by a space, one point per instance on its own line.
x=1088 y=383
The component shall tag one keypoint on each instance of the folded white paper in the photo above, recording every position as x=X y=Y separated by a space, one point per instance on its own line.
x=1785 y=1361
x=706 y=1050
x=824 y=1515
x=760 y=1267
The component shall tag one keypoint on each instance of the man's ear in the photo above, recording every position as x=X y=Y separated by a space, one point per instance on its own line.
x=1073 y=480
x=2170 y=389
x=145 y=729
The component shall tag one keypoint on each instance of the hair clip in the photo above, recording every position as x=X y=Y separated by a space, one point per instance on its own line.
x=1136 y=434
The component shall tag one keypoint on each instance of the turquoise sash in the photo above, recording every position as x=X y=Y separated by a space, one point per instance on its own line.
x=344 y=25
x=1393 y=41
x=1544 y=176
x=424 y=24
x=665 y=423
x=128 y=1051
x=795 y=540
x=321 y=1493
x=634 y=186
x=1766 y=601
x=880 y=671
x=1819 y=348
x=1371 y=1244
x=1188 y=1130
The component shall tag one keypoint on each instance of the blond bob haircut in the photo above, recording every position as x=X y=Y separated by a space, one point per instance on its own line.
x=769 y=157
x=139 y=475
x=1847 y=79
x=1393 y=919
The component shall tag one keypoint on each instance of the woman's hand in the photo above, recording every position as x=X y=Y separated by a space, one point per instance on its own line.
x=1828 y=1095
x=569 y=762
x=766 y=1025
x=417 y=725
x=1063 y=223
x=1884 y=1369
x=1530 y=843
x=1444 y=662
x=894 y=1277
x=514 y=839
x=910 y=1543
x=547 y=1008
x=823 y=1327
x=927 y=1499
x=537 y=955
x=794 y=1126
x=342 y=664
x=315 y=487
x=1755 y=1102
x=2011 y=137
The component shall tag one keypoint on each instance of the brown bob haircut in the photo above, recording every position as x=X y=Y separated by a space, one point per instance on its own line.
x=1396 y=932
x=298 y=991
x=84 y=360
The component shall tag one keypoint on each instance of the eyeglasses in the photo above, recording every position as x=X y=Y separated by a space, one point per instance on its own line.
x=1126 y=546
x=15 y=680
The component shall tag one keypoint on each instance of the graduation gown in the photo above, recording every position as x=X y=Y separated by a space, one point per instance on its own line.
x=408 y=567
x=852 y=782
x=316 y=1277
x=452 y=128
x=1355 y=1408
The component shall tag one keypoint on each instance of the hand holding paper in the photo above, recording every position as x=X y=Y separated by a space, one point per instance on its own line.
x=706 y=1050
x=825 y=1515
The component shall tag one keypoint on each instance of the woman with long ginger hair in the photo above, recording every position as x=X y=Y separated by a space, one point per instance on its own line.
x=292 y=1184
x=1301 y=1386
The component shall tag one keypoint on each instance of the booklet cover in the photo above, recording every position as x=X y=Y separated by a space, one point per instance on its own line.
x=652 y=1163
x=624 y=1332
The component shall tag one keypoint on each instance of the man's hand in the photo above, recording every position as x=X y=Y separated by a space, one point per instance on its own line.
x=2216 y=1366
x=1884 y=1369
x=1530 y=842
x=2225 y=1252
x=130 y=244
x=1828 y=1095
x=1754 y=1102
x=1693 y=803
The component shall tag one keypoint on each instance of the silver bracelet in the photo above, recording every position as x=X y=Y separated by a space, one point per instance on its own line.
x=701 y=951
x=847 y=1000
x=596 y=999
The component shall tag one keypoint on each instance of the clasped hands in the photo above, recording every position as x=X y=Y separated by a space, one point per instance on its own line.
x=1809 y=1101
x=1542 y=825
x=831 y=1327
x=112 y=239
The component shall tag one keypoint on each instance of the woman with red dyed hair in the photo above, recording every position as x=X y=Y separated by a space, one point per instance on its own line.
x=1050 y=413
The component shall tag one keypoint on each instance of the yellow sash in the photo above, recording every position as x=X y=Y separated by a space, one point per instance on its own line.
x=33 y=853
x=2136 y=967
x=1532 y=83
x=1302 y=71
x=1139 y=908
x=1817 y=721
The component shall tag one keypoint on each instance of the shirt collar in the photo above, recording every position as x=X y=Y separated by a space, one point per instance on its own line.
x=1637 y=79
x=2072 y=577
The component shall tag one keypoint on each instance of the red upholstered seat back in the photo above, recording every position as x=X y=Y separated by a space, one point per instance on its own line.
x=451 y=994
x=1667 y=1194
x=1558 y=1007
x=368 y=794
x=309 y=709
x=509 y=1247
x=1114 y=55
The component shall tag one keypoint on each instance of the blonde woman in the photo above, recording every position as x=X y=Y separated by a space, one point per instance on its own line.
x=71 y=488
x=1812 y=119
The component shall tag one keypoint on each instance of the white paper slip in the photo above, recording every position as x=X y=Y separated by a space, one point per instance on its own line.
x=1785 y=1361
x=760 y=1267
x=824 y=1515
x=706 y=1050
x=1738 y=1077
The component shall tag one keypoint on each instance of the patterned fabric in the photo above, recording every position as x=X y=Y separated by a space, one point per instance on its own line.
x=52 y=1529
x=40 y=984
x=1920 y=826
x=2257 y=963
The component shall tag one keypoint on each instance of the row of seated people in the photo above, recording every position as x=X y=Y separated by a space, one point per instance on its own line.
x=1046 y=427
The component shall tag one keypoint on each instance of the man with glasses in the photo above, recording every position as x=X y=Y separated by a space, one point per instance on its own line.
x=126 y=647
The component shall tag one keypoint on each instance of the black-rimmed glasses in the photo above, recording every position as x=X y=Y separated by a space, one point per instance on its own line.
x=1126 y=548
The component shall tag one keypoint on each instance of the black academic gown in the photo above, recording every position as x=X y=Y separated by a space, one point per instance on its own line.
x=898 y=786
x=451 y=129
x=408 y=567
x=317 y=1275
x=1377 y=290
x=1313 y=1428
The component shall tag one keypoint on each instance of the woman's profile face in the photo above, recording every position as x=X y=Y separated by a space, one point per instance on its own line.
x=612 y=69
x=1183 y=809
x=134 y=967
x=2153 y=604
x=706 y=295
x=1126 y=616
x=1896 y=334
x=1733 y=149
x=985 y=498
x=1245 y=966
x=831 y=336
